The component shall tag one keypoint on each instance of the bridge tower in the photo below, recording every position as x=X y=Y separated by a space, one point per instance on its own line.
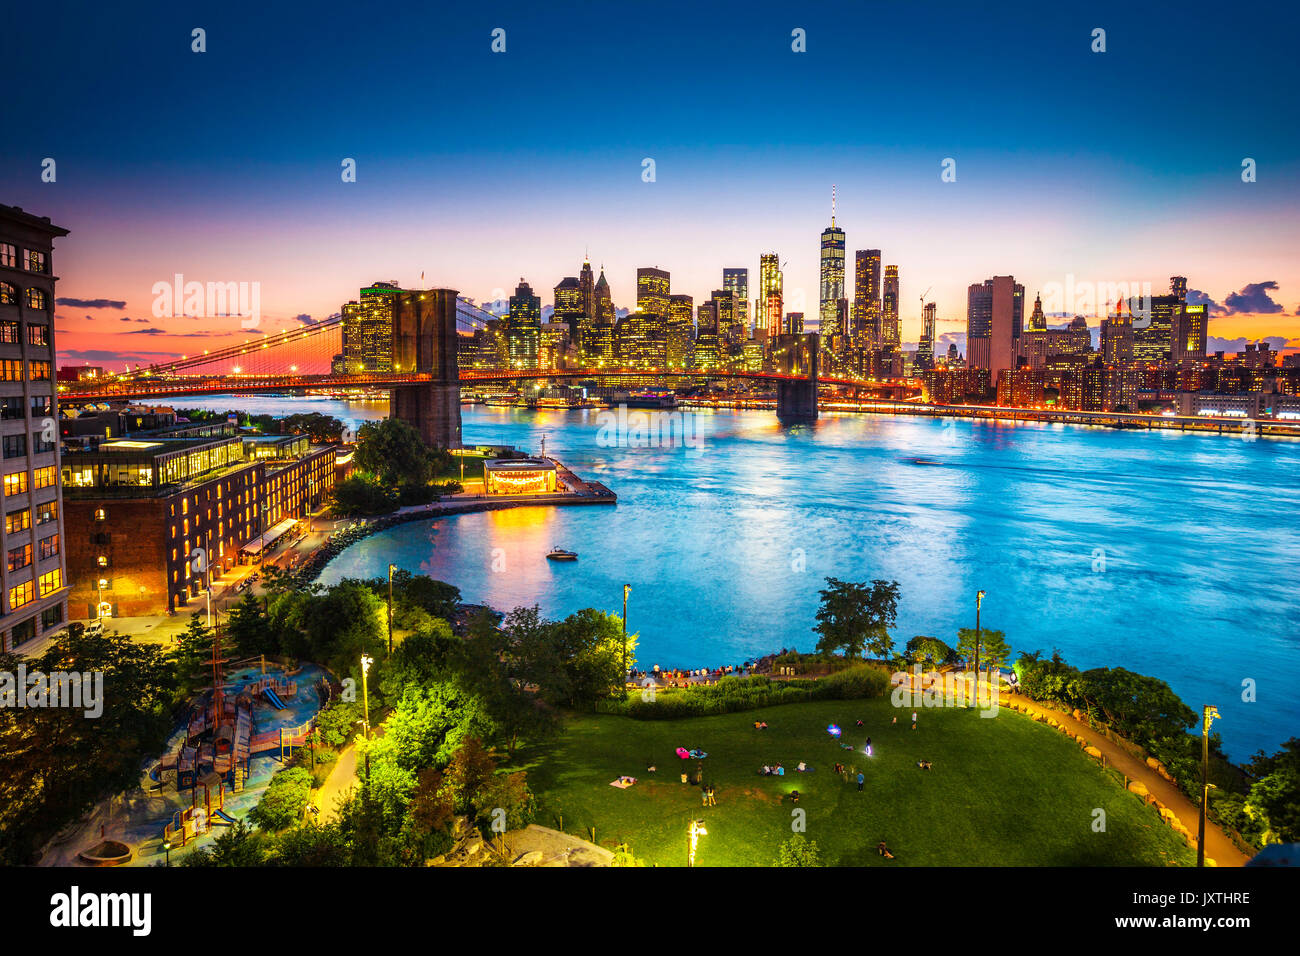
x=796 y=401
x=425 y=342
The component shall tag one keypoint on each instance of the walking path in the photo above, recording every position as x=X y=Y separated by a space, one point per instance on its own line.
x=341 y=779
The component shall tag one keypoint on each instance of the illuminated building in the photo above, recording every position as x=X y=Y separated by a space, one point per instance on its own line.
x=33 y=582
x=552 y=343
x=569 y=305
x=832 y=272
x=866 y=298
x=1153 y=334
x=1037 y=320
x=681 y=325
x=924 y=360
x=1021 y=387
x=957 y=386
x=641 y=340
x=794 y=323
x=653 y=287
x=1191 y=334
x=138 y=508
x=890 y=336
x=736 y=281
x=586 y=296
x=368 y=329
x=519 y=476
x=995 y=311
x=726 y=309
x=770 y=292
x=523 y=327
x=707 y=355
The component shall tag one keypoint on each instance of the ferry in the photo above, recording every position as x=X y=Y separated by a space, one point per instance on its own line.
x=506 y=399
x=559 y=554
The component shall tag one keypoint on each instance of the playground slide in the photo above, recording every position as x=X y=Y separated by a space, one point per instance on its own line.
x=222 y=819
x=274 y=698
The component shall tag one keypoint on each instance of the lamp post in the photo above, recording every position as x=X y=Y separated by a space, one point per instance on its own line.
x=167 y=849
x=366 y=661
x=626 y=589
x=1209 y=713
x=694 y=833
x=979 y=600
x=99 y=608
x=391 y=569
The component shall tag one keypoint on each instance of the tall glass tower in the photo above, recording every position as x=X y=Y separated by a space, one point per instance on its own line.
x=832 y=272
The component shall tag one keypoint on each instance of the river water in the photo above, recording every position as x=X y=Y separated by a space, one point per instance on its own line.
x=1171 y=554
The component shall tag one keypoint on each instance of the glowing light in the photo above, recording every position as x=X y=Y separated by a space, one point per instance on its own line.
x=834 y=730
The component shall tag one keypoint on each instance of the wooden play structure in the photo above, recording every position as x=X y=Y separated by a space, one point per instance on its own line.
x=196 y=820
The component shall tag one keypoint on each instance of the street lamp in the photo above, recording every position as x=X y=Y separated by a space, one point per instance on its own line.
x=99 y=608
x=1210 y=712
x=696 y=831
x=979 y=601
x=366 y=661
x=626 y=590
x=391 y=569
x=167 y=849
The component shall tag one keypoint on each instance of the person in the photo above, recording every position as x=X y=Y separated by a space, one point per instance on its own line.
x=868 y=746
x=704 y=796
x=766 y=771
x=861 y=780
x=683 y=776
x=802 y=766
x=914 y=720
x=711 y=794
x=884 y=850
x=859 y=721
x=794 y=795
x=780 y=770
x=894 y=722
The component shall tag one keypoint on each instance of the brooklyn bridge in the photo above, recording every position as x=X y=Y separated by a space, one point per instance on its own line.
x=426 y=378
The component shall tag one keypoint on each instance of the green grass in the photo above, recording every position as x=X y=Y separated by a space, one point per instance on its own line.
x=1003 y=791
x=473 y=468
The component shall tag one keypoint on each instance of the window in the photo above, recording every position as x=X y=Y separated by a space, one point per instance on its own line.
x=38 y=334
x=100 y=514
x=102 y=560
x=8 y=255
x=8 y=294
x=35 y=261
x=51 y=617
x=15 y=446
x=46 y=477
x=16 y=521
x=39 y=445
x=24 y=631
x=37 y=299
x=49 y=546
x=8 y=332
x=51 y=581
x=20 y=557
x=40 y=371
x=21 y=594
x=11 y=370
x=47 y=512
x=16 y=483
x=11 y=409
x=42 y=405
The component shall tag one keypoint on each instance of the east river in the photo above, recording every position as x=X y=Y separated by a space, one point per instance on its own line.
x=1170 y=554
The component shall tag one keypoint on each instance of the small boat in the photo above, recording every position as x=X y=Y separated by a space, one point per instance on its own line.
x=559 y=554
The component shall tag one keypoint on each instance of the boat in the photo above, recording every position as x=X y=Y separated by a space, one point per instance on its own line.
x=559 y=554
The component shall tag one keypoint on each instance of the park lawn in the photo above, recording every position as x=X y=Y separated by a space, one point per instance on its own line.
x=473 y=468
x=1003 y=791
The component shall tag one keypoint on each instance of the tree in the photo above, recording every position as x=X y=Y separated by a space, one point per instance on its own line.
x=922 y=650
x=1274 y=799
x=799 y=851
x=249 y=630
x=394 y=453
x=854 y=617
x=284 y=800
x=361 y=495
x=994 y=651
x=192 y=656
x=1143 y=709
x=341 y=624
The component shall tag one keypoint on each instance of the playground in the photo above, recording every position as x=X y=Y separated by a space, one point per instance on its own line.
x=959 y=790
x=213 y=770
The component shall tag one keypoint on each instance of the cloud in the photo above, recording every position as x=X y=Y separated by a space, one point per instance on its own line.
x=91 y=303
x=1254 y=299
x=1238 y=345
x=305 y=319
x=950 y=338
x=149 y=331
x=127 y=318
x=1197 y=297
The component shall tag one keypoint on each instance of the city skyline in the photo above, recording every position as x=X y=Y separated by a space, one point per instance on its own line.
x=151 y=183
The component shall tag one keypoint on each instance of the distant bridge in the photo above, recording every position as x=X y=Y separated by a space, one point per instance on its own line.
x=425 y=386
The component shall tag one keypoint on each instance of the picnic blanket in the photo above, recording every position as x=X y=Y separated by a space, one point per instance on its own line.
x=623 y=782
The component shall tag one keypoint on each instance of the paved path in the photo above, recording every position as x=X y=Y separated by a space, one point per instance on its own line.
x=342 y=778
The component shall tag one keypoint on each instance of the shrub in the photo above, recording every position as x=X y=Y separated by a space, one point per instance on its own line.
x=284 y=801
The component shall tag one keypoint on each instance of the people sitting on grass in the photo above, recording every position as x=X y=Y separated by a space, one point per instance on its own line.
x=884 y=850
x=803 y=767
x=794 y=796
x=760 y=725
x=923 y=764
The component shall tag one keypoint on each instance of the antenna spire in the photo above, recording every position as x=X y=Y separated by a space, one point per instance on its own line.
x=832 y=204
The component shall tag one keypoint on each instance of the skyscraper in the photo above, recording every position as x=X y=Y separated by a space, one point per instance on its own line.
x=368 y=329
x=725 y=306
x=995 y=313
x=890 y=335
x=681 y=322
x=832 y=272
x=523 y=331
x=736 y=281
x=652 y=291
x=925 y=348
x=568 y=305
x=771 y=293
x=866 y=298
